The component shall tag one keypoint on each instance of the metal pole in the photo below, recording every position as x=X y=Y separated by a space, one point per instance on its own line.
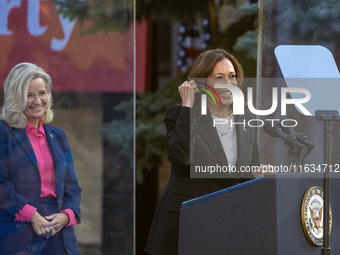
x=326 y=250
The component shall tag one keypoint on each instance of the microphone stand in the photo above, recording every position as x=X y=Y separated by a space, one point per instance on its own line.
x=326 y=117
x=310 y=148
x=295 y=154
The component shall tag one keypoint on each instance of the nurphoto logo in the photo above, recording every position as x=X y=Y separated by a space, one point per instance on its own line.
x=238 y=104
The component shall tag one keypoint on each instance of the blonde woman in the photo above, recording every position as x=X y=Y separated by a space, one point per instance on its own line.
x=39 y=191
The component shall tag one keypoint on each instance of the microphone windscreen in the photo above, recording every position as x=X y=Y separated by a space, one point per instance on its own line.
x=267 y=127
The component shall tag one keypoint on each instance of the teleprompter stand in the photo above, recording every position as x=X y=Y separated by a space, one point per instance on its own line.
x=307 y=59
x=326 y=117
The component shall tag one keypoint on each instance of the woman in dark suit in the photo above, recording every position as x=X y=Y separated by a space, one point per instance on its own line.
x=194 y=141
x=39 y=191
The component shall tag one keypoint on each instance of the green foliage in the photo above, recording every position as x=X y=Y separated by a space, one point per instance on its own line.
x=112 y=15
x=120 y=131
x=151 y=143
x=72 y=9
x=311 y=20
x=240 y=39
x=248 y=9
x=117 y=15
x=248 y=41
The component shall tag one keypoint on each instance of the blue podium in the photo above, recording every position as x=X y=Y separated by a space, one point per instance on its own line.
x=258 y=217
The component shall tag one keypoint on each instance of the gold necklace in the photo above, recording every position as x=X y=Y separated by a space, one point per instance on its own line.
x=221 y=115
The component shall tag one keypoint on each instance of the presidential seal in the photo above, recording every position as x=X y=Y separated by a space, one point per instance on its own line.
x=311 y=215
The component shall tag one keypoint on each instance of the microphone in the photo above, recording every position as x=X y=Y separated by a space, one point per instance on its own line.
x=300 y=137
x=275 y=131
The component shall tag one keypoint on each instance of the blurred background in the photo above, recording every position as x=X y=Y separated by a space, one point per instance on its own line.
x=115 y=68
x=92 y=71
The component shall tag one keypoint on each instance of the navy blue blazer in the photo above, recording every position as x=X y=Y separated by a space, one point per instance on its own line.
x=20 y=182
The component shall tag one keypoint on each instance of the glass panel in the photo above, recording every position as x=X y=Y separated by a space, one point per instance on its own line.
x=290 y=22
x=93 y=90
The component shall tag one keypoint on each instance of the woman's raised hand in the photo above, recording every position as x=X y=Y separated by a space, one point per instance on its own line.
x=187 y=92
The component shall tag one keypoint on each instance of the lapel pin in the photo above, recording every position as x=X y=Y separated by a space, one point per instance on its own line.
x=244 y=129
x=51 y=135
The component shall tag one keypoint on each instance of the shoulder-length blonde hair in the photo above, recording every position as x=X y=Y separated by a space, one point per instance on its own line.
x=15 y=94
x=205 y=63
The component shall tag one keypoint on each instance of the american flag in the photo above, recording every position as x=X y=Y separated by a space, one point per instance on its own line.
x=192 y=40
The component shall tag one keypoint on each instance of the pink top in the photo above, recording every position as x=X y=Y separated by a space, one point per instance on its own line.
x=47 y=174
